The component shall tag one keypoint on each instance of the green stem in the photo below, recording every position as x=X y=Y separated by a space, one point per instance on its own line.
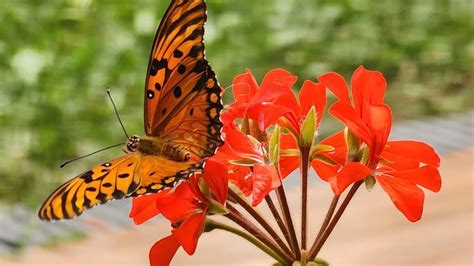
x=304 y=195
x=280 y=192
x=326 y=221
x=279 y=220
x=243 y=222
x=211 y=224
x=259 y=218
x=319 y=243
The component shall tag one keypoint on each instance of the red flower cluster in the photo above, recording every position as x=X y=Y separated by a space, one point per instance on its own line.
x=186 y=208
x=266 y=130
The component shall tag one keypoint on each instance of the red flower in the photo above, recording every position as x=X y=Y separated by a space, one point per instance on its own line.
x=258 y=102
x=241 y=153
x=186 y=207
x=312 y=94
x=398 y=166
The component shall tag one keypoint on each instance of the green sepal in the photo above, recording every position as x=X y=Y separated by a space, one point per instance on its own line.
x=216 y=208
x=204 y=187
x=320 y=148
x=246 y=162
x=290 y=152
x=353 y=145
x=274 y=146
x=308 y=129
x=365 y=155
x=369 y=182
x=323 y=159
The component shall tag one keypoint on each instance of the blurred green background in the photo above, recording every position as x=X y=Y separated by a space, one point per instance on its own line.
x=58 y=57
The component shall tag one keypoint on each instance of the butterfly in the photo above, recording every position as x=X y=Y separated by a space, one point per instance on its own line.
x=182 y=122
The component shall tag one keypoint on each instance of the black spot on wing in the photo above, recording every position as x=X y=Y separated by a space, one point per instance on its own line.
x=156 y=65
x=177 y=92
x=125 y=175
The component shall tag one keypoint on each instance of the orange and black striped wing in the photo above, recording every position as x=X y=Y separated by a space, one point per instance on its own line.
x=178 y=70
x=158 y=173
x=116 y=179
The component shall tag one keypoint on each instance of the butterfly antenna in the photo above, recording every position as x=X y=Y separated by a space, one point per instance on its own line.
x=116 y=112
x=92 y=153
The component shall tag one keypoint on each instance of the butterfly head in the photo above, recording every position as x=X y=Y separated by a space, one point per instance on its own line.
x=132 y=143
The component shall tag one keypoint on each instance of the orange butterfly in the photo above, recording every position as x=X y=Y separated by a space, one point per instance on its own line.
x=182 y=125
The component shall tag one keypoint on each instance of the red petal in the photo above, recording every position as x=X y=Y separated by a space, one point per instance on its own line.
x=380 y=122
x=215 y=174
x=337 y=85
x=178 y=204
x=265 y=179
x=241 y=177
x=338 y=142
x=312 y=94
x=347 y=115
x=189 y=231
x=144 y=208
x=276 y=83
x=349 y=174
x=244 y=87
x=368 y=87
x=288 y=164
x=267 y=114
x=325 y=171
x=406 y=196
x=412 y=150
x=163 y=251
x=238 y=146
x=426 y=176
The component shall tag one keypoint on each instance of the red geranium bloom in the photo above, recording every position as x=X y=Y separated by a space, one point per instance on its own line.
x=312 y=94
x=258 y=102
x=186 y=207
x=241 y=152
x=398 y=166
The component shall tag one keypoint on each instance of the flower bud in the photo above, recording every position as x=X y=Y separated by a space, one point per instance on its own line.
x=308 y=129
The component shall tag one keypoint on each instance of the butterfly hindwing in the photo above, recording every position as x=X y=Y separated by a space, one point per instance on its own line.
x=111 y=180
x=158 y=173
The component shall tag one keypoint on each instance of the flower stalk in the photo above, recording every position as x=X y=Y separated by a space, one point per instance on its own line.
x=318 y=244
x=211 y=225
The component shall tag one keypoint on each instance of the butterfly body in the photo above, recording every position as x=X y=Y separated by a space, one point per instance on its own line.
x=182 y=122
x=160 y=147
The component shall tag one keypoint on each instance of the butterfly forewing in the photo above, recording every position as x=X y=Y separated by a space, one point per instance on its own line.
x=178 y=72
x=111 y=180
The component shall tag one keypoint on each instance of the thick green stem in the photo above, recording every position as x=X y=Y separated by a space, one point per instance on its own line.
x=211 y=224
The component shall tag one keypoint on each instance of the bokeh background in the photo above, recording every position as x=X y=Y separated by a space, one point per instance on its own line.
x=58 y=57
